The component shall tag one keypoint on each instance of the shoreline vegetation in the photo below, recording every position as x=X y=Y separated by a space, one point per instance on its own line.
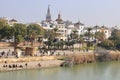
x=105 y=56
x=11 y=64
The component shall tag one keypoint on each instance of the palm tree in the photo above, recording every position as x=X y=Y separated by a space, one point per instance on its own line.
x=81 y=41
x=50 y=36
x=100 y=36
x=89 y=34
x=74 y=37
x=55 y=31
x=56 y=34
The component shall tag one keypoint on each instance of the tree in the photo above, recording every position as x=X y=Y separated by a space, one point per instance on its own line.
x=59 y=44
x=74 y=38
x=55 y=35
x=88 y=34
x=47 y=34
x=107 y=44
x=55 y=31
x=100 y=36
x=115 y=37
x=81 y=41
x=89 y=29
x=74 y=35
x=6 y=31
x=33 y=31
x=49 y=43
x=51 y=35
x=19 y=34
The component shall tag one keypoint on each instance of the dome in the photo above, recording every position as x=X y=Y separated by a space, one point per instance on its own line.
x=13 y=20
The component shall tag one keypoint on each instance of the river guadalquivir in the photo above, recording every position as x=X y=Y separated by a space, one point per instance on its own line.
x=94 y=71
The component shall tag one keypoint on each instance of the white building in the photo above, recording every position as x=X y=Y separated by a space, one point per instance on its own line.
x=77 y=26
x=62 y=32
x=48 y=25
x=103 y=29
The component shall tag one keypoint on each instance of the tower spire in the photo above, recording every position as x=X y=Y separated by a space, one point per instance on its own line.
x=59 y=20
x=48 y=15
x=59 y=16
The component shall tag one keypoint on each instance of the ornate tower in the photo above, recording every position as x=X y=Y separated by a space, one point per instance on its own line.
x=59 y=20
x=48 y=15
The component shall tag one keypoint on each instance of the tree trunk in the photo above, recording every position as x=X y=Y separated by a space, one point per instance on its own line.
x=15 y=47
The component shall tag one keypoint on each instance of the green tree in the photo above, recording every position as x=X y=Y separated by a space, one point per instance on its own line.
x=88 y=33
x=107 y=44
x=100 y=36
x=74 y=38
x=51 y=35
x=55 y=31
x=115 y=37
x=34 y=31
x=19 y=34
x=81 y=41
x=5 y=30
x=74 y=35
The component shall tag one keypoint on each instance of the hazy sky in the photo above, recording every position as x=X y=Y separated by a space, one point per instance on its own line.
x=90 y=12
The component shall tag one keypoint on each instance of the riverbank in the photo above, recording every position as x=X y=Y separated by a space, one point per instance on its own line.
x=10 y=64
x=29 y=65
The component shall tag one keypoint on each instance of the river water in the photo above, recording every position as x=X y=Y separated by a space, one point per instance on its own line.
x=94 y=71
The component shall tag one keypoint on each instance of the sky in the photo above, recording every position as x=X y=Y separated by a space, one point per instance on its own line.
x=89 y=12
